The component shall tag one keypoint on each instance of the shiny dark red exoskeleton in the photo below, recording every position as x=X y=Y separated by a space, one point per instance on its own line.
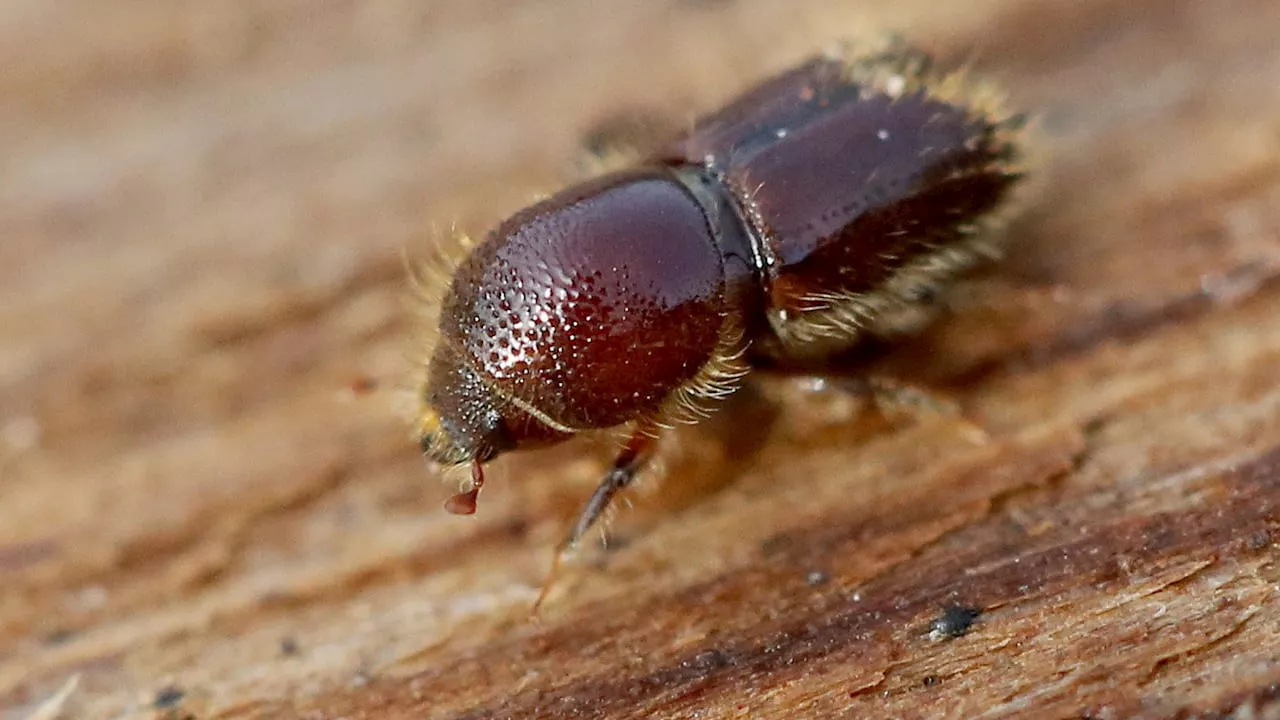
x=816 y=210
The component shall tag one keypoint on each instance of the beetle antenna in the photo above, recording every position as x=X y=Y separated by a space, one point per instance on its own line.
x=464 y=503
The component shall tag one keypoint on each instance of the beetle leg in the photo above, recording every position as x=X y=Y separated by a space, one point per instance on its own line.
x=624 y=139
x=894 y=399
x=626 y=467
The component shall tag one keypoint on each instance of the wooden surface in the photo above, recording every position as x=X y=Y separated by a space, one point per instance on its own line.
x=202 y=213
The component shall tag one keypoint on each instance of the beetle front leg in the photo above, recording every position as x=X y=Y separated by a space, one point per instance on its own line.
x=625 y=469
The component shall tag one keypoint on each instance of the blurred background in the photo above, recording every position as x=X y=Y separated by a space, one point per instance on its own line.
x=204 y=209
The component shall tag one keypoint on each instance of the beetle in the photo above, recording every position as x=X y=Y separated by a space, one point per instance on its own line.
x=823 y=207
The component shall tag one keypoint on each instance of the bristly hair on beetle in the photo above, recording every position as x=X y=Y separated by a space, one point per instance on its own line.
x=820 y=208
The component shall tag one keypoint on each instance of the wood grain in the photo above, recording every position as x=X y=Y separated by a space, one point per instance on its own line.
x=203 y=209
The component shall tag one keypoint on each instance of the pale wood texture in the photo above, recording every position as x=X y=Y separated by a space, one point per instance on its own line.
x=203 y=207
